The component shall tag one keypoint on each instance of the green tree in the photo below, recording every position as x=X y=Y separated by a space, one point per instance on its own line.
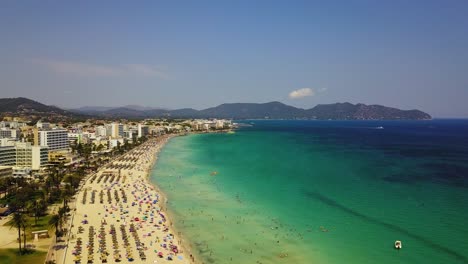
x=100 y=147
x=40 y=209
x=66 y=194
x=36 y=208
x=54 y=222
x=23 y=195
x=24 y=225
x=126 y=145
x=79 y=148
x=31 y=206
x=18 y=222
x=74 y=146
x=87 y=149
x=73 y=180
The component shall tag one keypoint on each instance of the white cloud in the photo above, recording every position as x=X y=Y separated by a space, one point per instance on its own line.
x=85 y=69
x=300 y=93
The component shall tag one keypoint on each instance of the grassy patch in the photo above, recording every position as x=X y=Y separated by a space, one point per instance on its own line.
x=11 y=256
x=42 y=224
x=6 y=199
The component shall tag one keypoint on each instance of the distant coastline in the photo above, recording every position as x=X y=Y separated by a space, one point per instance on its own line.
x=272 y=110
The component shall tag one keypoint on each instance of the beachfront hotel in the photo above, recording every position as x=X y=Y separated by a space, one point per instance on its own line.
x=22 y=155
x=55 y=139
x=142 y=130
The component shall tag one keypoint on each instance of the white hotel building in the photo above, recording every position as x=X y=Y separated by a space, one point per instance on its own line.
x=28 y=156
x=22 y=155
x=54 y=139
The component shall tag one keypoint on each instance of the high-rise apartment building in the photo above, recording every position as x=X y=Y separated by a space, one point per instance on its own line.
x=9 y=133
x=142 y=130
x=24 y=155
x=117 y=130
x=54 y=139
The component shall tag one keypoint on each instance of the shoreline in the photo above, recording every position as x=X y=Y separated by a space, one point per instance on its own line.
x=164 y=200
x=183 y=242
x=144 y=215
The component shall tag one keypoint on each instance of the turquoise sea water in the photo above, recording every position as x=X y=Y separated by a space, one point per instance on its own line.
x=321 y=192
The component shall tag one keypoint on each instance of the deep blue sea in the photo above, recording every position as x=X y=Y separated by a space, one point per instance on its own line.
x=321 y=192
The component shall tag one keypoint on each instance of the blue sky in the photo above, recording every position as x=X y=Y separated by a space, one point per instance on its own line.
x=406 y=54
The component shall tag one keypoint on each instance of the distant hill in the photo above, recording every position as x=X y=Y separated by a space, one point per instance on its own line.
x=141 y=108
x=92 y=109
x=123 y=112
x=128 y=111
x=87 y=109
x=271 y=110
x=184 y=112
x=348 y=111
x=25 y=106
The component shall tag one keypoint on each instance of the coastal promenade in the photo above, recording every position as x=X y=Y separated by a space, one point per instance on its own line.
x=118 y=215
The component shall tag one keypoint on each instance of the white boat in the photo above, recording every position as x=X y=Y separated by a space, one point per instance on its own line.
x=380 y=127
x=398 y=244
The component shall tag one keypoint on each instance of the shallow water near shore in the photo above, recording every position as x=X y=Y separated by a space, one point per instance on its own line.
x=321 y=192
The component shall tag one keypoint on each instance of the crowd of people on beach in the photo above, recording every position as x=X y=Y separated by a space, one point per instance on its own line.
x=130 y=221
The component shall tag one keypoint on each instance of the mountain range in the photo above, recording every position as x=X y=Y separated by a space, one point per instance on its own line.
x=271 y=110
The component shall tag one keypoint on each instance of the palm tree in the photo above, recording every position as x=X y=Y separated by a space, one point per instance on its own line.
x=30 y=206
x=73 y=181
x=62 y=214
x=54 y=221
x=39 y=207
x=24 y=194
x=18 y=222
x=24 y=225
x=36 y=207
x=66 y=194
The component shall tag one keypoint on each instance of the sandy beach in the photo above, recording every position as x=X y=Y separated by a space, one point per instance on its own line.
x=119 y=215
